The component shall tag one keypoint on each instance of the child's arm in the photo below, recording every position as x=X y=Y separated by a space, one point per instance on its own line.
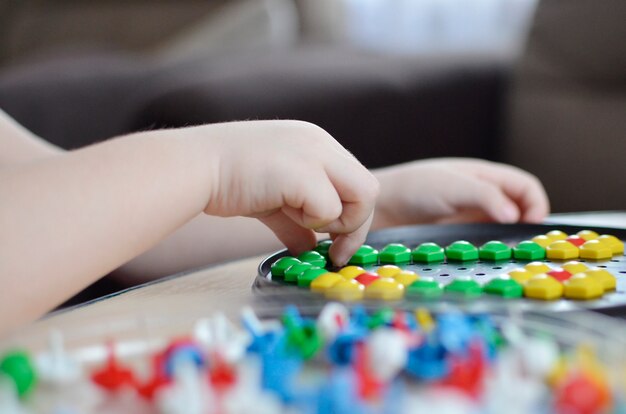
x=448 y=190
x=202 y=241
x=70 y=218
x=17 y=144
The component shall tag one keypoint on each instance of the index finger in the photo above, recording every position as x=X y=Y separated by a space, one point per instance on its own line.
x=346 y=244
x=357 y=189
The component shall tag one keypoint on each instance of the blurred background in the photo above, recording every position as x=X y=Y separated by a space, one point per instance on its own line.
x=537 y=83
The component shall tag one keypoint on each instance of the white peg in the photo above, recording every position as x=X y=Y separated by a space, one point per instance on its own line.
x=56 y=366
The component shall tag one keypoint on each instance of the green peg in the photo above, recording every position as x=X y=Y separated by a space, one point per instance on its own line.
x=365 y=255
x=395 y=253
x=428 y=253
x=313 y=257
x=466 y=286
x=462 y=251
x=529 y=250
x=18 y=366
x=279 y=266
x=494 y=251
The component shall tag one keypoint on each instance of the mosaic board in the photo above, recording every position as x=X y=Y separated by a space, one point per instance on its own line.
x=481 y=271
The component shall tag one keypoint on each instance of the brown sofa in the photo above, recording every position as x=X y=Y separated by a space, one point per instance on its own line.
x=66 y=87
x=384 y=110
x=568 y=104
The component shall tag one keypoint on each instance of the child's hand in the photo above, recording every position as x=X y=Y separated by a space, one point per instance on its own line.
x=295 y=178
x=458 y=190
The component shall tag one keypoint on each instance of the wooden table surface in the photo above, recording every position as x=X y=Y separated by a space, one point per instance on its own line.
x=170 y=307
x=167 y=307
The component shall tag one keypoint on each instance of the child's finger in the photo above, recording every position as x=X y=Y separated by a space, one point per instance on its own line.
x=346 y=244
x=312 y=200
x=521 y=187
x=470 y=216
x=358 y=190
x=296 y=238
x=352 y=217
x=472 y=193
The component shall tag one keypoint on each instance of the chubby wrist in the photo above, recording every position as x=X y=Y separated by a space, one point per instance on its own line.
x=192 y=157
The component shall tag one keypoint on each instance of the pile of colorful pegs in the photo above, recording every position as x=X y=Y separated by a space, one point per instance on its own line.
x=550 y=271
x=342 y=361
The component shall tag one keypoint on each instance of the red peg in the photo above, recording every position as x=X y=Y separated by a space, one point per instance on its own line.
x=158 y=380
x=560 y=275
x=176 y=344
x=222 y=375
x=582 y=394
x=339 y=320
x=113 y=376
x=467 y=373
x=400 y=323
x=366 y=278
x=369 y=387
x=576 y=240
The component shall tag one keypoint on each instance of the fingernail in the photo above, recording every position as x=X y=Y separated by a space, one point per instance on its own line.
x=324 y=229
